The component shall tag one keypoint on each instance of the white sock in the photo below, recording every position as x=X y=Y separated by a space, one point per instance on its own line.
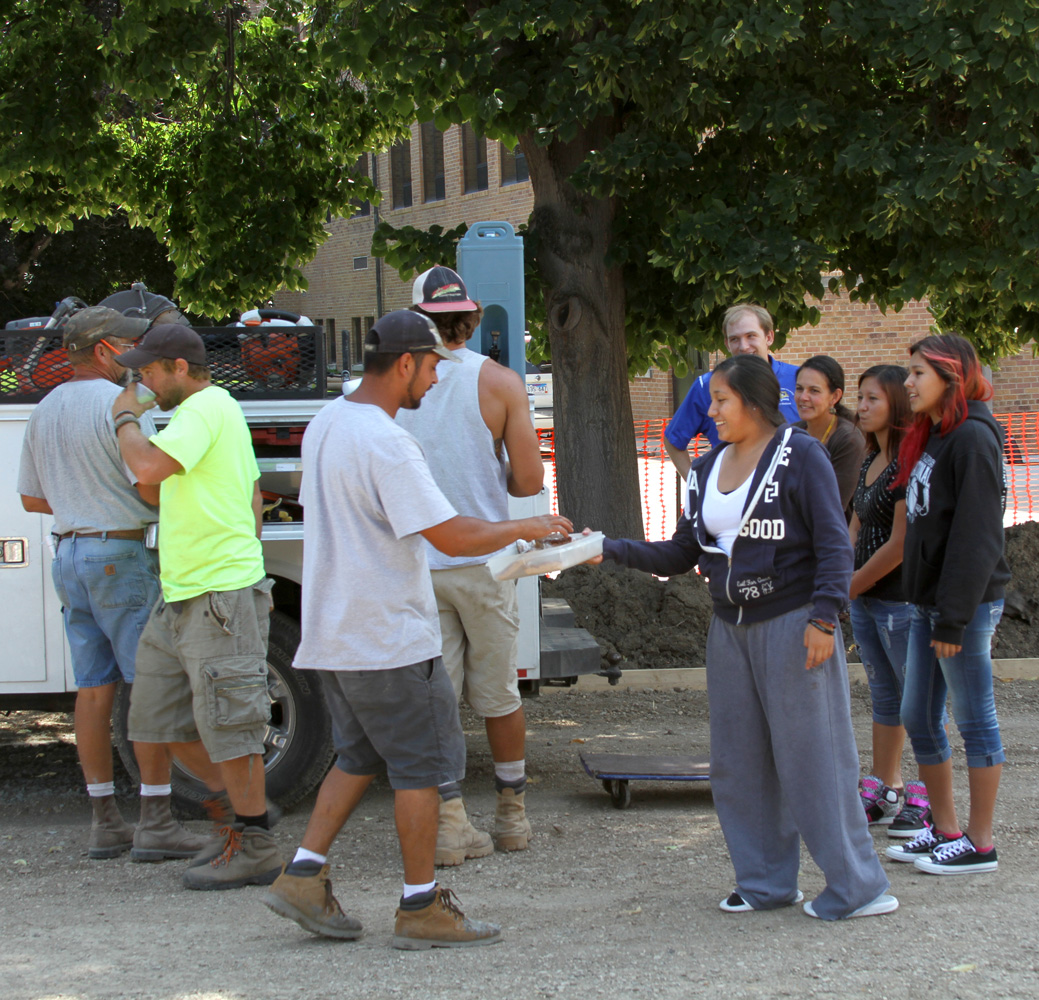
x=510 y=771
x=302 y=854
x=101 y=789
x=417 y=890
x=156 y=790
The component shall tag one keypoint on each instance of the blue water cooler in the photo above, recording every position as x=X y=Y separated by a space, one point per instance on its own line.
x=490 y=261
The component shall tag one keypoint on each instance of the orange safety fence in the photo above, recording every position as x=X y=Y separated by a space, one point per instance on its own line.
x=658 y=482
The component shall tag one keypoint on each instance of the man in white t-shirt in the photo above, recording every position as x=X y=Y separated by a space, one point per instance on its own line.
x=370 y=625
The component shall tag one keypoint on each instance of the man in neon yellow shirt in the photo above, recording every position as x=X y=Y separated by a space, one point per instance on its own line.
x=202 y=661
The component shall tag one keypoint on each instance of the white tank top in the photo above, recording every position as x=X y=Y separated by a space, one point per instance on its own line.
x=460 y=449
x=722 y=512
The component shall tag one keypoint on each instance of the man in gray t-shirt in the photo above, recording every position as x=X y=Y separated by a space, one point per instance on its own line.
x=370 y=626
x=106 y=579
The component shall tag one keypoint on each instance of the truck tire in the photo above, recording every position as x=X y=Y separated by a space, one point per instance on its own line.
x=298 y=740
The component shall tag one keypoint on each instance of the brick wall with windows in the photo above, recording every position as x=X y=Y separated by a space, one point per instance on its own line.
x=346 y=283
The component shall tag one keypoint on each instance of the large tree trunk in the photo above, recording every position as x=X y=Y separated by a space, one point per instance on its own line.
x=596 y=464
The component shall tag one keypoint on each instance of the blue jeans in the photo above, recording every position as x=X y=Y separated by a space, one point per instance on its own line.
x=967 y=677
x=882 y=634
x=107 y=588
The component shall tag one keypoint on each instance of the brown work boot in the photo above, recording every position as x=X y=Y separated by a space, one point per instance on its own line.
x=308 y=900
x=441 y=924
x=110 y=834
x=511 y=827
x=250 y=857
x=457 y=838
x=159 y=836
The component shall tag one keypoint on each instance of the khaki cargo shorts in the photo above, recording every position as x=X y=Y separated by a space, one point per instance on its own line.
x=202 y=673
x=479 y=627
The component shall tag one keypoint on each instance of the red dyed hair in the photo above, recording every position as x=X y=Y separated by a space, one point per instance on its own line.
x=954 y=359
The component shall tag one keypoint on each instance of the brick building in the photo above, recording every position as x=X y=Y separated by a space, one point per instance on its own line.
x=448 y=177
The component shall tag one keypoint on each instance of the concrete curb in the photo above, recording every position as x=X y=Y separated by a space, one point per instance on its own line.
x=695 y=678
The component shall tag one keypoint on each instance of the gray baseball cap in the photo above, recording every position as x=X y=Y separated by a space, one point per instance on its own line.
x=93 y=324
x=407 y=332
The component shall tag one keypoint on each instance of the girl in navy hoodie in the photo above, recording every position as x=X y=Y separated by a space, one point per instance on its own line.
x=763 y=520
x=954 y=572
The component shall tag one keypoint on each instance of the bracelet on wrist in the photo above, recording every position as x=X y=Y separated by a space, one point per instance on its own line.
x=124 y=421
x=125 y=413
x=827 y=627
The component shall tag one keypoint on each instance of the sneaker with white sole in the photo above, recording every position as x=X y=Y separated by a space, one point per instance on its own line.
x=884 y=903
x=735 y=903
x=879 y=801
x=919 y=847
x=957 y=857
x=915 y=815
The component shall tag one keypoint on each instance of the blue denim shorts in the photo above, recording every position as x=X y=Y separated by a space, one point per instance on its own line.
x=881 y=631
x=107 y=588
x=966 y=677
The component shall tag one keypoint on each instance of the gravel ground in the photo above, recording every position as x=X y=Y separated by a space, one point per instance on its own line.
x=606 y=903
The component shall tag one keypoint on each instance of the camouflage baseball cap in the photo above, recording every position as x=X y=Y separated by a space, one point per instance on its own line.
x=88 y=326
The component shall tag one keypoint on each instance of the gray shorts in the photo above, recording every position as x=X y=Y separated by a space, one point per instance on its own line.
x=404 y=721
x=202 y=673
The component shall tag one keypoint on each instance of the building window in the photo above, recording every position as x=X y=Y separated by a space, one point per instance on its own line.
x=331 y=348
x=360 y=263
x=432 y=162
x=513 y=165
x=361 y=170
x=474 y=161
x=400 y=174
x=360 y=331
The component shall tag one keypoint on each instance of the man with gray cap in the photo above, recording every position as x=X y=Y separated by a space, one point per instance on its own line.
x=107 y=580
x=202 y=661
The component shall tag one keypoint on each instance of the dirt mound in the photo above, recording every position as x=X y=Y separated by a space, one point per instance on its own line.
x=655 y=624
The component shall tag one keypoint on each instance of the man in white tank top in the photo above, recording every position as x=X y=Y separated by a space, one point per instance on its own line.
x=480 y=443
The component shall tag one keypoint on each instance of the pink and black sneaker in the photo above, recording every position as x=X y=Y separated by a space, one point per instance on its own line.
x=879 y=801
x=915 y=815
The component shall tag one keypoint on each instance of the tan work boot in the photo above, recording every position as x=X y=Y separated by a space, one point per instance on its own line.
x=441 y=924
x=250 y=857
x=159 y=836
x=457 y=838
x=511 y=828
x=308 y=900
x=110 y=834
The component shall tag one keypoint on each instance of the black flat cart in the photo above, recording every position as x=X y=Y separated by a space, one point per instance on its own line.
x=615 y=770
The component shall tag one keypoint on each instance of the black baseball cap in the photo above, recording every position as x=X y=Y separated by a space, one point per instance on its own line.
x=441 y=290
x=168 y=340
x=406 y=332
x=91 y=325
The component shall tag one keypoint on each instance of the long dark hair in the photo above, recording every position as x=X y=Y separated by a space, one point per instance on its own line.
x=891 y=379
x=956 y=362
x=834 y=375
x=753 y=380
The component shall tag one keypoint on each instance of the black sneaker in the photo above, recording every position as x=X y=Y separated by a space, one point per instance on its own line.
x=915 y=815
x=919 y=847
x=957 y=857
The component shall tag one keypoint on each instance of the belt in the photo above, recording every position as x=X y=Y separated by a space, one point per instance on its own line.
x=129 y=535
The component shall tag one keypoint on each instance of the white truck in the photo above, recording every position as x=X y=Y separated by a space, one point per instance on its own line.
x=36 y=673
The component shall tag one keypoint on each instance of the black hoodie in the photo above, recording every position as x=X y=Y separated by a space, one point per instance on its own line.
x=954 y=537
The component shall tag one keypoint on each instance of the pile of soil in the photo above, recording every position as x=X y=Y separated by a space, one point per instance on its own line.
x=656 y=624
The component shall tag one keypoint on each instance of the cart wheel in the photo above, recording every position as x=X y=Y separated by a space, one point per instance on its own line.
x=620 y=793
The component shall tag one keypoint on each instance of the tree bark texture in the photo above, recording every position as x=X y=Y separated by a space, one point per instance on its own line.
x=596 y=464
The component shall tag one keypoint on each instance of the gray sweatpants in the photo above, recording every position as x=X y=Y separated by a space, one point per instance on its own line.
x=784 y=763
